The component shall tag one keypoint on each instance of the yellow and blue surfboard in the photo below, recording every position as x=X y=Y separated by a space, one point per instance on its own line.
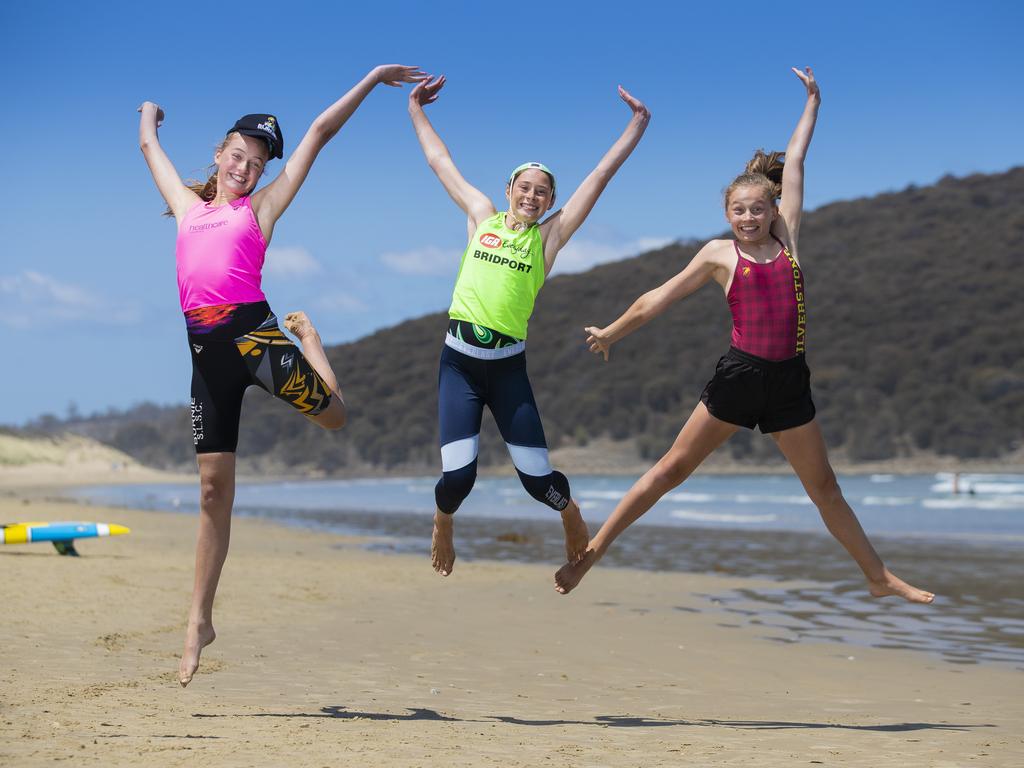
x=61 y=535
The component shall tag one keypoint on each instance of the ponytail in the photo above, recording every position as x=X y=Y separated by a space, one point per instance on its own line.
x=763 y=170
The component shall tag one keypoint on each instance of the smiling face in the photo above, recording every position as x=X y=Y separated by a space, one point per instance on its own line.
x=240 y=163
x=750 y=212
x=530 y=195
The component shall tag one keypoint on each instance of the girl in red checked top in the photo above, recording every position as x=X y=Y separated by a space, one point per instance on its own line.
x=224 y=228
x=763 y=379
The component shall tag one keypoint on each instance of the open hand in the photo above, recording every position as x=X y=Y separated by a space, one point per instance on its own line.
x=598 y=341
x=807 y=78
x=640 y=111
x=427 y=90
x=396 y=74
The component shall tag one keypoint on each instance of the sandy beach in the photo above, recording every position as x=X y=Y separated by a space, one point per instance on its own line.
x=332 y=655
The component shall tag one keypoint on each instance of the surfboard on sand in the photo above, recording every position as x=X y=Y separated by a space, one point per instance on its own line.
x=62 y=535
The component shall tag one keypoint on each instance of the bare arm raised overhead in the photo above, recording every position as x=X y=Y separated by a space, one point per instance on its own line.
x=474 y=203
x=557 y=230
x=792 y=201
x=178 y=197
x=271 y=201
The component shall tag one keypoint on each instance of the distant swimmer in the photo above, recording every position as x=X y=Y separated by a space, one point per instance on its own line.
x=483 y=361
x=224 y=228
x=763 y=379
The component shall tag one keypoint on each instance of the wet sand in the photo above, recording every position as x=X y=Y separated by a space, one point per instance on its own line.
x=329 y=654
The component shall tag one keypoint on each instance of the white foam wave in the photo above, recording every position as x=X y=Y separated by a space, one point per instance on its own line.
x=882 y=478
x=968 y=502
x=749 y=498
x=703 y=516
x=888 y=501
x=692 y=498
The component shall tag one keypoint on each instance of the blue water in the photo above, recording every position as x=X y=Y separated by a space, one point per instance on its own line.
x=988 y=506
x=967 y=547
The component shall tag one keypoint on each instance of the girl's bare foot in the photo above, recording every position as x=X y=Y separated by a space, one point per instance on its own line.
x=570 y=574
x=891 y=585
x=197 y=637
x=442 y=546
x=576 y=535
x=299 y=324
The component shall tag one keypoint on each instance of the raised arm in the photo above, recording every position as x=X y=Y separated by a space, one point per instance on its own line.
x=560 y=227
x=708 y=264
x=177 y=196
x=271 y=201
x=474 y=203
x=792 y=202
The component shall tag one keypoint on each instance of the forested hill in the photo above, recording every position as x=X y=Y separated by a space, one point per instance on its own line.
x=915 y=342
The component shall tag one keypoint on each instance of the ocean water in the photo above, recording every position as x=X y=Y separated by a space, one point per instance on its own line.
x=966 y=546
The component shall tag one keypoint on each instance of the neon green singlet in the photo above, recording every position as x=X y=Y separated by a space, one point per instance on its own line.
x=499 y=277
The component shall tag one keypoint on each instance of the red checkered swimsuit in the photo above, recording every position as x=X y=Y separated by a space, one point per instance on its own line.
x=769 y=316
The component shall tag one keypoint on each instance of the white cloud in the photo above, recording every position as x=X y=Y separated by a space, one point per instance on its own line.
x=31 y=298
x=581 y=255
x=429 y=260
x=290 y=262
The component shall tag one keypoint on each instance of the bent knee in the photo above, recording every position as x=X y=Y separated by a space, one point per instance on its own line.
x=334 y=417
x=826 y=492
x=669 y=472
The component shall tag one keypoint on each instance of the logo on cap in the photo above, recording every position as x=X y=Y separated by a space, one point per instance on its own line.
x=490 y=240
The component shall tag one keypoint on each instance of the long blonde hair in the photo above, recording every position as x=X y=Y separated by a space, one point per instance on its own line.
x=764 y=170
x=207 y=190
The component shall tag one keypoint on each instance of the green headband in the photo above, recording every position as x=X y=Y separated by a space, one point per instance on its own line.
x=539 y=167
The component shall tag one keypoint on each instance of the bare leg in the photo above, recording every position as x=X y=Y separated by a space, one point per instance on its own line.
x=576 y=533
x=334 y=416
x=701 y=435
x=442 y=545
x=804 y=448
x=217 y=495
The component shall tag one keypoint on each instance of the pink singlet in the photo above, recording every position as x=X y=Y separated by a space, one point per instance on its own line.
x=220 y=252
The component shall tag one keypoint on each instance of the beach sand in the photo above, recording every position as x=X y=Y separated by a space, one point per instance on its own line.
x=331 y=655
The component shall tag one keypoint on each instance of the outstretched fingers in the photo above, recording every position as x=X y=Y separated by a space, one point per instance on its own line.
x=396 y=74
x=638 y=107
x=807 y=78
x=427 y=90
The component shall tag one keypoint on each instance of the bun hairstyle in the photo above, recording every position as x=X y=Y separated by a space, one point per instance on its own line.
x=763 y=170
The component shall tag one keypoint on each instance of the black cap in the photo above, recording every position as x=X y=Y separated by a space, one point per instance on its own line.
x=263 y=127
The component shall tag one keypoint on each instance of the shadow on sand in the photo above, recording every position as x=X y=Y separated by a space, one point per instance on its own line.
x=611 y=721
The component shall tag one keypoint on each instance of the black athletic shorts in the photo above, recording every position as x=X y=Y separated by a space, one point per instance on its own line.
x=750 y=391
x=234 y=347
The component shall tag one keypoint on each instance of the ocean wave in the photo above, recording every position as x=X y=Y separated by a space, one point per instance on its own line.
x=757 y=498
x=888 y=501
x=704 y=516
x=970 y=502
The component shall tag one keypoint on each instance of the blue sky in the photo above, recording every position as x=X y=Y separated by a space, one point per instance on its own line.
x=911 y=91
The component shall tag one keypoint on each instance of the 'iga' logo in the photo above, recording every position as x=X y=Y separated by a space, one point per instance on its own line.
x=490 y=240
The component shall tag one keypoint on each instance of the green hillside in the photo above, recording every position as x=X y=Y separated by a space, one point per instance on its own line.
x=915 y=343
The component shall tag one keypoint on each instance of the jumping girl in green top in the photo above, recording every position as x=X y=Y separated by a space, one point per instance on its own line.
x=483 y=361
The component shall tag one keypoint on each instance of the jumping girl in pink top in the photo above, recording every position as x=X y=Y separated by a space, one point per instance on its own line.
x=224 y=228
x=763 y=380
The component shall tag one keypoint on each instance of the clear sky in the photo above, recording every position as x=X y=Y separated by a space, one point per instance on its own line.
x=910 y=91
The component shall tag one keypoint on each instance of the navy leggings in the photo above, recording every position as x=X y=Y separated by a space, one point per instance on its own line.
x=465 y=385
